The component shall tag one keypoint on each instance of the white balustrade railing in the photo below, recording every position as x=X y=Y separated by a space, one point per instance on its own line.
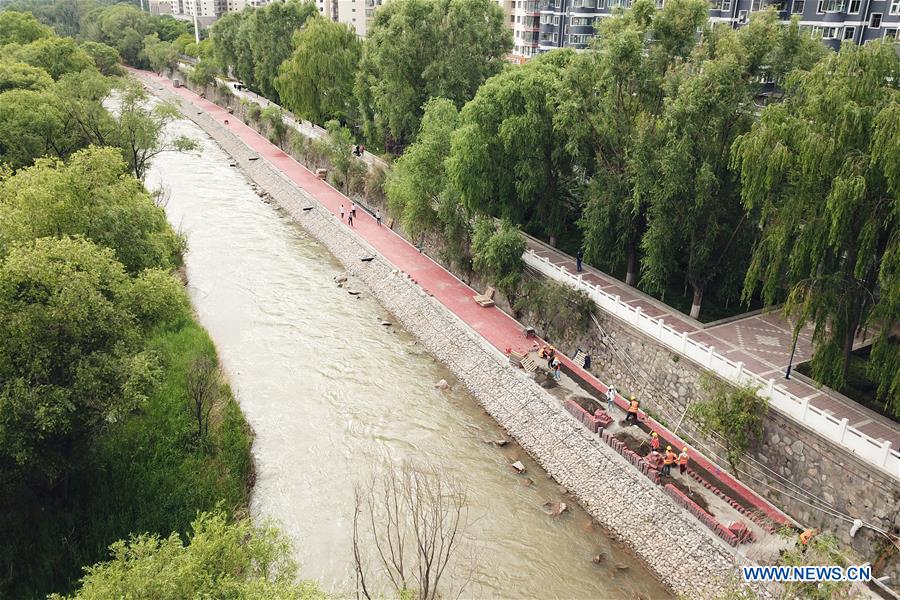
x=873 y=451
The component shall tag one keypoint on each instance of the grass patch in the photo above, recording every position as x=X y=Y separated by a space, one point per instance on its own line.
x=146 y=474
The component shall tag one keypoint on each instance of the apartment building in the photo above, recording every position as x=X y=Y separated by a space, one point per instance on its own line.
x=355 y=13
x=571 y=23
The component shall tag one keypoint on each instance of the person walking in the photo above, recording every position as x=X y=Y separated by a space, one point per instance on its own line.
x=378 y=217
x=632 y=410
x=342 y=213
x=610 y=398
x=551 y=354
x=579 y=256
x=353 y=209
x=557 y=371
x=668 y=461
x=350 y=218
x=654 y=441
x=683 y=461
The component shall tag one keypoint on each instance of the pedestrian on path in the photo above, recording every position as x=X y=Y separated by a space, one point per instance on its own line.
x=350 y=218
x=610 y=398
x=654 y=441
x=557 y=371
x=668 y=461
x=579 y=256
x=342 y=213
x=378 y=217
x=353 y=209
x=683 y=461
x=632 y=411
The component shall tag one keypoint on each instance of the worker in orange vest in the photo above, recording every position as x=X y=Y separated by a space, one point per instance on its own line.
x=682 y=461
x=806 y=536
x=654 y=441
x=668 y=461
x=632 y=410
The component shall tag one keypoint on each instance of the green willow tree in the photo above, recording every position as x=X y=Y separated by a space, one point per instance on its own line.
x=58 y=56
x=22 y=76
x=316 y=82
x=21 y=28
x=419 y=49
x=507 y=159
x=417 y=182
x=219 y=559
x=497 y=254
x=692 y=190
x=90 y=195
x=822 y=171
x=612 y=99
x=69 y=360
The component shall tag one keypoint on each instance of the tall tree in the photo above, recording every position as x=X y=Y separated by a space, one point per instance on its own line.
x=268 y=32
x=418 y=49
x=822 y=172
x=696 y=224
x=507 y=159
x=219 y=560
x=58 y=56
x=34 y=124
x=90 y=195
x=611 y=101
x=22 y=76
x=416 y=184
x=67 y=361
x=21 y=28
x=316 y=82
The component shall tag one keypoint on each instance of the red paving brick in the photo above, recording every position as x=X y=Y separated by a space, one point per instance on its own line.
x=498 y=328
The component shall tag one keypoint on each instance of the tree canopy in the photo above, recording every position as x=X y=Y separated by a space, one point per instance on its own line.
x=219 y=559
x=822 y=172
x=92 y=195
x=255 y=42
x=21 y=28
x=68 y=360
x=316 y=82
x=418 y=49
x=507 y=159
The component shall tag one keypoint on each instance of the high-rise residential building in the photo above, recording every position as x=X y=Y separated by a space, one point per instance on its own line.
x=572 y=23
x=355 y=13
x=526 y=24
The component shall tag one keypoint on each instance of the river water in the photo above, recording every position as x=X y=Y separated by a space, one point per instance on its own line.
x=329 y=391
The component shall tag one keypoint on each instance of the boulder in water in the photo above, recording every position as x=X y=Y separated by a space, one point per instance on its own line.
x=518 y=466
x=554 y=509
x=442 y=384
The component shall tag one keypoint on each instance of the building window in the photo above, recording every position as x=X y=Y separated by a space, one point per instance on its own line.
x=601 y=4
x=755 y=5
x=660 y=4
x=895 y=7
x=849 y=32
x=820 y=7
x=834 y=5
x=890 y=33
x=797 y=8
x=853 y=7
x=742 y=16
x=829 y=33
x=875 y=21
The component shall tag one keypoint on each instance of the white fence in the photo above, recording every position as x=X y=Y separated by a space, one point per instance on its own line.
x=878 y=453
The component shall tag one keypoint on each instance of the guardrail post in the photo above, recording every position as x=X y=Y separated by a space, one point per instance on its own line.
x=683 y=342
x=843 y=429
x=771 y=388
x=709 y=356
x=659 y=328
x=637 y=316
x=885 y=452
x=738 y=371
x=804 y=406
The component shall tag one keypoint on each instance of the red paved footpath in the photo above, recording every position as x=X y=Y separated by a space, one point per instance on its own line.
x=498 y=328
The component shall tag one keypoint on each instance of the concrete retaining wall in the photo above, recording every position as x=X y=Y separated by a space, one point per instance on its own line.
x=623 y=500
x=789 y=456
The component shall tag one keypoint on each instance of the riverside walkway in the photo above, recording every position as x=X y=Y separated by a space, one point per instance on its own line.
x=761 y=342
x=495 y=326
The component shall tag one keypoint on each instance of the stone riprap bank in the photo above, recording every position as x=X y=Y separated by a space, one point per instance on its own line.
x=684 y=555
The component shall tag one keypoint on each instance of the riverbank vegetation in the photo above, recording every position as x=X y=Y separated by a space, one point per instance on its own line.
x=97 y=340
